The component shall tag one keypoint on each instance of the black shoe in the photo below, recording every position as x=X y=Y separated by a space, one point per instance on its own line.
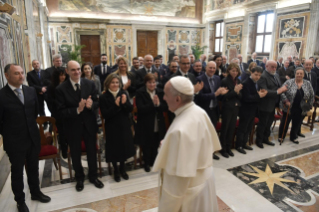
x=97 y=183
x=147 y=168
x=247 y=147
x=117 y=177
x=269 y=143
x=241 y=150
x=215 y=157
x=22 y=207
x=295 y=141
x=301 y=135
x=39 y=196
x=79 y=185
x=124 y=175
x=230 y=153
x=281 y=140
x=260 y=145
x=224 y=154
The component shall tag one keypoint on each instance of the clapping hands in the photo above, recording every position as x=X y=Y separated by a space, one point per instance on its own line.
x=156 y=100
x=238 y=88
x=85 y=103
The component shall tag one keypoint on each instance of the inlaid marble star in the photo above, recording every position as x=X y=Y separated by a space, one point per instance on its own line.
x=149 y=9
x=270 y=178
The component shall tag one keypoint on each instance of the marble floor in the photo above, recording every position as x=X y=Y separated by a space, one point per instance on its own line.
x=279 y=178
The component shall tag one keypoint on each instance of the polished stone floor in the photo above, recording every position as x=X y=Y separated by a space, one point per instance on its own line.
x=279 y=178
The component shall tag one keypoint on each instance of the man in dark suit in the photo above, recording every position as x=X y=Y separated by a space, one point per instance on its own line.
x=21 y=137
x=263 y=64
x=243 y=66
x=249 y=108
x=36 y=81
x=47 y=74
x=76 y=98
x=280 y=62
x=225 y=64
x=296 y=64
x=254 y=59
x=291 y=62
x=197 y=69
x=312 y=78
x=141 y=73
x=136 y=65
x=269 y=81
x=102 y=70
x=286 y=72
x=207 y=98
x=161 y=68
x=184 y=65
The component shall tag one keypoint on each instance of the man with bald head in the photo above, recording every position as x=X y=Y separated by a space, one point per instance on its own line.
x=141 y=73
x=254 y=59
x=76 y=98
x=270 y=82
x=208 y=97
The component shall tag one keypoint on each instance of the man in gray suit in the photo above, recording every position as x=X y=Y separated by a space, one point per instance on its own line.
x=269 y=81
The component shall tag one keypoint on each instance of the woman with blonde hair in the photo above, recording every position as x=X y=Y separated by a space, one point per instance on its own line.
x=127 y=78
x=116 y=108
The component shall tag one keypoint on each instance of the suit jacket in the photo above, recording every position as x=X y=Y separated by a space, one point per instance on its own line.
x=245 y=66
x=251 y=60
x=316 y=70
x=140 y=75
x=283 y=73
x=313 y=80
x=231 y=98
x=291 y=63
x=98 y=71
x=146 y=113
x=250 y=99
x=191 y=76
x=244 y=76
x=46 y=75
x=204 y=97
x=279 y=66
x=268 y=82
x=18 y=124
x=263 y=65
x=67 y=103
x=114 y=68
x=133 y=70
x=36 y=82
x=226 y=66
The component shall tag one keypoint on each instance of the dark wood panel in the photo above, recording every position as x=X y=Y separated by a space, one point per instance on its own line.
x=146 y=43
x=92 y=50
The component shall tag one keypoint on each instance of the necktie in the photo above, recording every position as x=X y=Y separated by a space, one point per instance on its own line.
x=241 y=67
x=211 y=84
x=39 y=74
x=78 y=91
x=276 y=81
x=256 y=85
x=20 y=95
x=103 y=69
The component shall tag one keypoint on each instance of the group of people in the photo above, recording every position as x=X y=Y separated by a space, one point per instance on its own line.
x=79 y=94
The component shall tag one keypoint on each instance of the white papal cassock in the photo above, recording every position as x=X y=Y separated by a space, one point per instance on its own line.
x=185 y=161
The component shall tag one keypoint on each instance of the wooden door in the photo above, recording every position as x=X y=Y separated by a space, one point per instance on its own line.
x=92 y=50
x=146 y=43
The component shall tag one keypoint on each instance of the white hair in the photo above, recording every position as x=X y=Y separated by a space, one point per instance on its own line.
x=57 y=56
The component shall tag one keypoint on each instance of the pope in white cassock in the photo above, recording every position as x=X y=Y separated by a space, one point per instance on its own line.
x=185 y=157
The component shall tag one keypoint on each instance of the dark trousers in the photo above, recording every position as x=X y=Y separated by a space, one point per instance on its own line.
x=263 y=129
x=62 y=141
x=229 y=119
x=296 y=121
x=301 y=120
x=41 y=105
x=246 y=123
x=150 y=150
x=213 y=115
x=17 y=159
x=74 y=142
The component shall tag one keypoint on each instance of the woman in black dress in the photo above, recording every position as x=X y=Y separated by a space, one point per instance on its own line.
x=150 y=129
x=58 y=76
x=115 y=108
x=230 y=108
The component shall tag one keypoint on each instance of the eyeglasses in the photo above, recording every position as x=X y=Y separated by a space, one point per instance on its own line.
x=174 y=66
x=185 y=64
